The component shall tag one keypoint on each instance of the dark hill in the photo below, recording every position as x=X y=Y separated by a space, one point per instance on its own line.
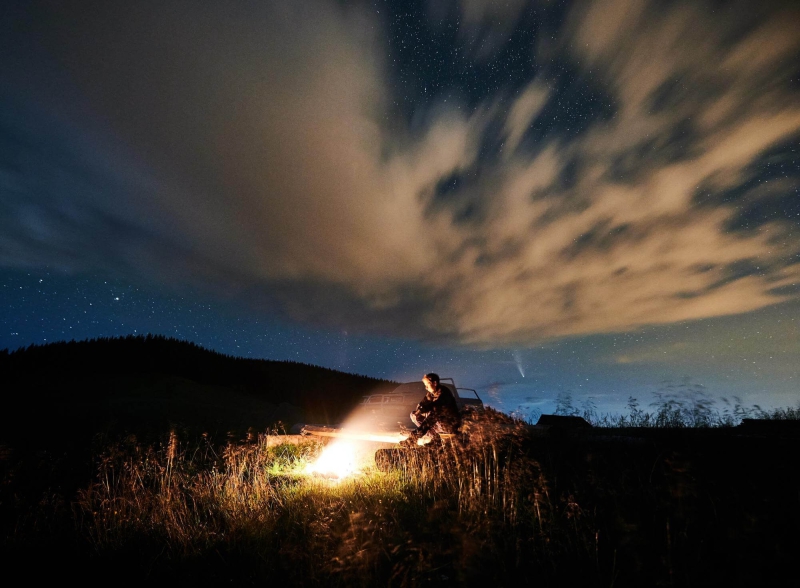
x=151 y=383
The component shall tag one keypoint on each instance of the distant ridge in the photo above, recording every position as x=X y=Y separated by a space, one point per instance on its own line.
x=154 y=381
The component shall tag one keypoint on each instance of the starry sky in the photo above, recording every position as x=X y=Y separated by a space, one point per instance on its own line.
x=591 y=198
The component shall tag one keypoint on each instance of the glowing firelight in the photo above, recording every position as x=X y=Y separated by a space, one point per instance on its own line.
x=338 y=460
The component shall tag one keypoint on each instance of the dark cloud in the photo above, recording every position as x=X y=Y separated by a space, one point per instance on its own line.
x=601 y=237
x=680 y=143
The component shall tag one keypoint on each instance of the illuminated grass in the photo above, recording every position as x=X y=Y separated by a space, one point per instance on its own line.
x=443 y=512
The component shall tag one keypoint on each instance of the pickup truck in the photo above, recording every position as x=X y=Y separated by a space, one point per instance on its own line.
x=387 y=411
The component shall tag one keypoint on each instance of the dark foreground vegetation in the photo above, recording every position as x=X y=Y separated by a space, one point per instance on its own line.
x=658 y=504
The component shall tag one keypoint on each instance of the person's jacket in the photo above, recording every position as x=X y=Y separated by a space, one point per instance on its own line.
x=438 y=408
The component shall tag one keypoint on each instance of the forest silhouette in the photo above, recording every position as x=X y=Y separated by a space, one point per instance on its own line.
x=149 y=383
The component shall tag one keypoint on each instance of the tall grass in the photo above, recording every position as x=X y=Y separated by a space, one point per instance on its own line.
x=677 y=406
x=459 y=513
x=503 y=506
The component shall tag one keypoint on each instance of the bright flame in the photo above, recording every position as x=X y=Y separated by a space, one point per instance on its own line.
x=337 y=460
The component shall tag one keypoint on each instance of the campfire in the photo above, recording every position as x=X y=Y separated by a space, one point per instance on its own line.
x=338 y=460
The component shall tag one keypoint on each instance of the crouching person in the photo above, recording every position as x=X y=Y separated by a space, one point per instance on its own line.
x=436 y=414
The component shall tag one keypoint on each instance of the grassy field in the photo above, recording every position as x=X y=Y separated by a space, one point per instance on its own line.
x=610 y=506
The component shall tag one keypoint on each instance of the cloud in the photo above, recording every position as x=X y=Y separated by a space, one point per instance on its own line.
x=259 y=133
x=523 y=111
x=253 y=152
x=624 y=244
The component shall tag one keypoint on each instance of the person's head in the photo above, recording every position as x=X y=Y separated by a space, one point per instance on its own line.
x=431 y=382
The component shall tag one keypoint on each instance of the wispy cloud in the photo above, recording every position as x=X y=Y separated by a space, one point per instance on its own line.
x=626 y=241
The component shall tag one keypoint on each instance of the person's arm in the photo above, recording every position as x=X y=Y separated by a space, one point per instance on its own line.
x=437 y=408
x=426 y=404
x=422 y=416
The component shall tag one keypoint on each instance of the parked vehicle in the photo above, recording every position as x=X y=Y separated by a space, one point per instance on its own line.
x=388 y=411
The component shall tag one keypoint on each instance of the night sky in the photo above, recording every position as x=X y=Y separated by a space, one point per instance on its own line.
x=534 y=198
